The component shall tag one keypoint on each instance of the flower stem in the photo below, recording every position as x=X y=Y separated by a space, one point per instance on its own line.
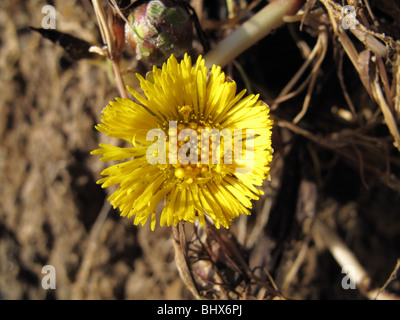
x=250 y=32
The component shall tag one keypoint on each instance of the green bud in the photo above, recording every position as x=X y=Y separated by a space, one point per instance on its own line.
x=158 y=29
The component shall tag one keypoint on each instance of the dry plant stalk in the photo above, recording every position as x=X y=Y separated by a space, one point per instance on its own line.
x=318 y=230
x=345 y=257
x=181 y=259
x=393 y=276
x=316 y=56
x=212 y=266
x=369 y=63
x=379 y=47
x=375 y=65
x=109 y=40
x=396 y=84
x=253 y=30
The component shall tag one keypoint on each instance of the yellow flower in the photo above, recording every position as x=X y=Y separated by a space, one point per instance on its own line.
x=194 y=142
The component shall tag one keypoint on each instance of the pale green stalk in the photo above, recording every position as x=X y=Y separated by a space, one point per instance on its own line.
x=250 y=32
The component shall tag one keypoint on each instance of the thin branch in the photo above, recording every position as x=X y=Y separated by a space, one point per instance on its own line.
x=393 y=276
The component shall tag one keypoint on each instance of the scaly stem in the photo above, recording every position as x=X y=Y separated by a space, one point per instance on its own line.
x=108 y=40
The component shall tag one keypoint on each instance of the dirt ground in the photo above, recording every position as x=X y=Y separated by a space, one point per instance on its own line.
x=50 y=202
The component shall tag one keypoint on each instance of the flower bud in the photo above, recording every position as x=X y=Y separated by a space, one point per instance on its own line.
x=158 y=29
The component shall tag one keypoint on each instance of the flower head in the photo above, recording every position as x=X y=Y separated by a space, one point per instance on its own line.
x=194 y=142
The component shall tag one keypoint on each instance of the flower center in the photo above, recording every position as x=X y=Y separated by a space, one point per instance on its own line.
x=194 y=149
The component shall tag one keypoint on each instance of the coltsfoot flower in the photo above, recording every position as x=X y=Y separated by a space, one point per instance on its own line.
x=194 y=141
